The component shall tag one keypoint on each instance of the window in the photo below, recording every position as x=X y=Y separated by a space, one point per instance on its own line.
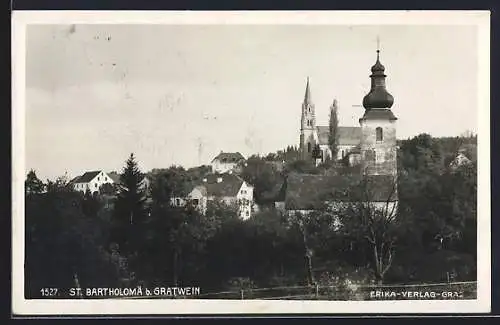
x=195 y=201
x=343 y=153
x=95 y=185
x=248 y=214
x=308 y=147
x=379 y=156
x=177 y=202
x=379 y=134
x=98 y=178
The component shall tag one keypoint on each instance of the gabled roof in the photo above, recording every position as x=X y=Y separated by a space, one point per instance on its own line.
x=229 y=157
x=74 y=180
x=309 y=192
x=229 y=185
x=381 y=188
x=347 y=135
x=87 y=177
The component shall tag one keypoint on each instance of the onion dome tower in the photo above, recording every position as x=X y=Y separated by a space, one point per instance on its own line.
x=378 y=127
x=378 y=97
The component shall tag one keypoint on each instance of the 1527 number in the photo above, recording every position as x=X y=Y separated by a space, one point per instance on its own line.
x=48 y=292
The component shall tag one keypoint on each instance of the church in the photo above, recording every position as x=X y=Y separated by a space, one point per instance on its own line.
x=371 y=146
x=317 y=136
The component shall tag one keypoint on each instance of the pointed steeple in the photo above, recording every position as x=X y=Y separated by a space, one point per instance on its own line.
x=307 y=96
x=335 y=103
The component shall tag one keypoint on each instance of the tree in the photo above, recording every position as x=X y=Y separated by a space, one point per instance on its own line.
x=317 y=153
x=421 y=153
x=301 y=166
x=333 y=137
x=262 y=174
x=32 y=184
x=108 y=189
x=129 y=213
x=376 y=227
x=65 y=246
x=314 y=228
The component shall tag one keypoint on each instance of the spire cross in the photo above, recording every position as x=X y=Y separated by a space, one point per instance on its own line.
x=378 y=47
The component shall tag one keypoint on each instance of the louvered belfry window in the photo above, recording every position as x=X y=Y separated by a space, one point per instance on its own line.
x=379 y=134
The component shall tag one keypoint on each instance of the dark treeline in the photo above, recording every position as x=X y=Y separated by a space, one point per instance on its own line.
x=131 y=235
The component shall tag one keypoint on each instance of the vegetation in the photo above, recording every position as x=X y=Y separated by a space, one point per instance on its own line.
x=75 y=239
x=333 y=137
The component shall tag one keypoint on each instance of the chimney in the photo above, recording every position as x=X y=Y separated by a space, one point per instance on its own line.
x=219 y=179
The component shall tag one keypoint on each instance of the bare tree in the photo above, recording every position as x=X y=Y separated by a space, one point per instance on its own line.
x=375 y=223
x=311 y=224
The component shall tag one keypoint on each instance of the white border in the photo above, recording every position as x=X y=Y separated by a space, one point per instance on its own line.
x=20 y=306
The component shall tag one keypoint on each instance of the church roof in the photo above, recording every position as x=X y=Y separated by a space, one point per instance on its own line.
x=348 y=135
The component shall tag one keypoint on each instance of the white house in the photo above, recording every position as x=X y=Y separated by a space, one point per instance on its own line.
x=227 y=188
x=226 y=161
x=459 y=160
x=91 y=181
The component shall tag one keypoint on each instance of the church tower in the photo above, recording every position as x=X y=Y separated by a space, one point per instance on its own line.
x=378 y=127
x=308 y=130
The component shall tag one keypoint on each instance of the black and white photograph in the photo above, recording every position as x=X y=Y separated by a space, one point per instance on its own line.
x=251 y=162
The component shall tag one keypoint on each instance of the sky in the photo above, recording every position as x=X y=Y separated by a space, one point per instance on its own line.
x=180 y=94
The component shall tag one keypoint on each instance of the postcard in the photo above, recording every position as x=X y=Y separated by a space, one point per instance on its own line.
x=235 y=163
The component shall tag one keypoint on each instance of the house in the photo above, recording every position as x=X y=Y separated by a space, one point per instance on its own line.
x=226 y=161
x=91 y=181
x=304 y=193
x=227 y=188
x=460 y=160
